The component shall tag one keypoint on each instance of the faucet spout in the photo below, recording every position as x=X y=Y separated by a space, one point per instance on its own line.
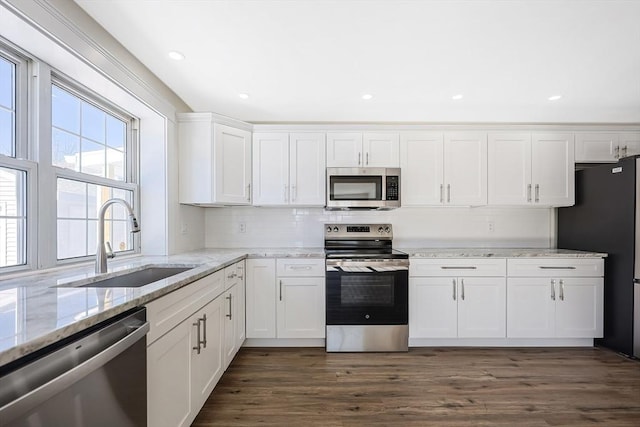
x=101 y=253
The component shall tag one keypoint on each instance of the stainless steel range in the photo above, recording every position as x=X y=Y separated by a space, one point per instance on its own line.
x=367 y=288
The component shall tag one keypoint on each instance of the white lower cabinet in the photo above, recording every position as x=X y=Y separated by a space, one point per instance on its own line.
x=555 y=298
x=462 y=307
x=285 y=298
x=188 y=350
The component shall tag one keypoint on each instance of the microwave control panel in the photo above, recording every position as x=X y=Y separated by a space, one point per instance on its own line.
x=393 y=187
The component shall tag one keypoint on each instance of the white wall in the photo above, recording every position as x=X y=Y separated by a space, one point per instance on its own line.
x=413 y=227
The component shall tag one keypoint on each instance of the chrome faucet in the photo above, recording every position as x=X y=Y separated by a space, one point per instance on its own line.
x=101 y=253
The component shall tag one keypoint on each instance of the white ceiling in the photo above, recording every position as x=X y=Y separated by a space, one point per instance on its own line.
x=311 y=61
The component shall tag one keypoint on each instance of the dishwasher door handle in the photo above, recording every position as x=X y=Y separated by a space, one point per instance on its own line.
x=49 y=389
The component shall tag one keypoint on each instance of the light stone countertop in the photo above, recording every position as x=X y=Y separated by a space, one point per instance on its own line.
x=498 y=253
x=38 y=309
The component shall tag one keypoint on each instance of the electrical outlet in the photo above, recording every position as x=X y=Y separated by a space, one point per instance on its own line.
x=491 y=226
x=242 y=227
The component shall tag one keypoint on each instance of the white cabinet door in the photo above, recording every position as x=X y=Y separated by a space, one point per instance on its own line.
x=307 y=170
x=509 y=169
x=530 y=307
x=232 y=153
x=579 y=307
x=270 y=169
x=301 y=307
x=169 y=378
x=381 y=149
x=261 y=298
x=230 y=308
x=597 y=147
x=421 y=155
x=465 y=168
x=629 y=144
x=344 y=149
x=207 y=366
x=433 y=311
x=482 y=307
x=553 y=169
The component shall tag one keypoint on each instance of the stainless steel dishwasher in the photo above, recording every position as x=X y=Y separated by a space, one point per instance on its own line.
x=94 y=378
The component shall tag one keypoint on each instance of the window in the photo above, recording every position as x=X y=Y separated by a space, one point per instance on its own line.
x=89 y=147
x=12 y=217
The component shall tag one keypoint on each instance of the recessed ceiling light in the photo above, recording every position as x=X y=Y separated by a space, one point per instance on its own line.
x=176 y=56
x=243 y=95
x=457 y=97
x=555 y=97
x=367 y=96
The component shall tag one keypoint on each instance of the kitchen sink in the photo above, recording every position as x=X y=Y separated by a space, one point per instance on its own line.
x=137 y=278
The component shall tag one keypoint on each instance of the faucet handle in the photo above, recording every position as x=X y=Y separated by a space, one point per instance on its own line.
x=110 y=253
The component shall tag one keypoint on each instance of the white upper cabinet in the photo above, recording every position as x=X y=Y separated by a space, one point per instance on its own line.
x=289 y=169
x=369 y=149
x=215 y=162
x=606 y=147
x=531 y=169
x=449 y=169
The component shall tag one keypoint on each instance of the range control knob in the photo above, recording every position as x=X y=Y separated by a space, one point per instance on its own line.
x=387 y=229
x=380 y=230
x=366 y=316
x=328 y=229
x=335 y=229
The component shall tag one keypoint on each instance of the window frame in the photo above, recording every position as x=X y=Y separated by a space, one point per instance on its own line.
x=131 y=160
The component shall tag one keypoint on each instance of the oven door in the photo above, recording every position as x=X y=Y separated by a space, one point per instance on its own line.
x=372 y=294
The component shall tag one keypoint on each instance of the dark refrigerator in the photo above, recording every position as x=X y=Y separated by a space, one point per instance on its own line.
x=606 y=218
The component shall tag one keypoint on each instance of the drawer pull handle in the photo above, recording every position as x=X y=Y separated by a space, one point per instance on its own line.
x=542 y=267
x=306 y=267
x=444 y=267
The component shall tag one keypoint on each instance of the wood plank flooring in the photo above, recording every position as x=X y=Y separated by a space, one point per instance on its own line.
x=427 y=386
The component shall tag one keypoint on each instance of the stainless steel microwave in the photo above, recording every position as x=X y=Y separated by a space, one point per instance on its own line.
x=363 y=188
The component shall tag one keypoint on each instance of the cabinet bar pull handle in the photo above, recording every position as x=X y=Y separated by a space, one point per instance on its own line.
x=280 y=290
x=229 y=315
x=301 y=267
x=359 y=158
x=529 y=193
x=624 y=151
x=204 y=330
x=462 y=289
x=441 y=193
x=448 y=193
x=294 y=194
x=617 y=155
x=543 y=267
x=445 y=267
x=249 y=192
x=553 y=289
x=537 y=193
x=454 y=289
x=367 y=159
x=197 y=348
x=561 y=290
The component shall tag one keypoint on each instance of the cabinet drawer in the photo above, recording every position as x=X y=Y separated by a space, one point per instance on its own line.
x=458 y=267
x=555 y=267
x=299 y=267
x=167 y=312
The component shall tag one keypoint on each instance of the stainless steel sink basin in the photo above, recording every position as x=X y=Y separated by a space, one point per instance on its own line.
x=138 y=278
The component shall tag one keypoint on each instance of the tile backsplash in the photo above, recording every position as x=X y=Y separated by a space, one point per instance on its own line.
x=237 y=227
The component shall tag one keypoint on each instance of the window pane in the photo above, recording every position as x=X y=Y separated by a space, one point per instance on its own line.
x=6 y=132
x=92 y=161
x=7 y=107
x=72 y=199
x=116 y=136
x=12 y=217
x=115 y=164
x=65 y=110
x=93 y=122
x=72 y=238
x=66 y=150
x=121 y=239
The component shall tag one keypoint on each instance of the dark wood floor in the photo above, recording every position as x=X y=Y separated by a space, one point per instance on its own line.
x=427 y=386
